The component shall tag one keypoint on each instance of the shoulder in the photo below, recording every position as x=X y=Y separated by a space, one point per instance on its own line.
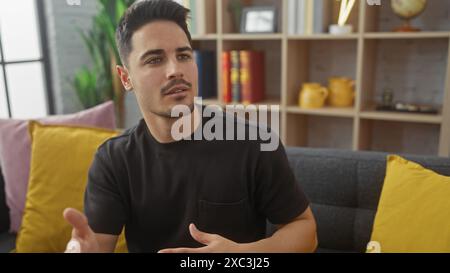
x=121 y=143
x=260 y=133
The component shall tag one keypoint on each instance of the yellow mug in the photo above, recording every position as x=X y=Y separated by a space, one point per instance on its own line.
x=342 y=92
x=312 y=96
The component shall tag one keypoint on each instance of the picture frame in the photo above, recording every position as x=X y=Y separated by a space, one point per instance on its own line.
x=260 y=19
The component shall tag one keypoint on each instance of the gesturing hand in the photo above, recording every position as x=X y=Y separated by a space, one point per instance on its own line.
x=83 y=238
x=213 y=243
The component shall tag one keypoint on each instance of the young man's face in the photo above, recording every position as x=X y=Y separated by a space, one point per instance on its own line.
x=161 y=68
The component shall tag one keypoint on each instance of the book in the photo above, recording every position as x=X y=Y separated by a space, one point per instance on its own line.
x=292 y=17
x=252 y=77
x=301 y=18
x=322 y=15
x=226 y=77
x=235 y=76
x=309 y=17
x=207 y=83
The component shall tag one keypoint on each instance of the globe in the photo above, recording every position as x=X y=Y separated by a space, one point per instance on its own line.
x=407 y=10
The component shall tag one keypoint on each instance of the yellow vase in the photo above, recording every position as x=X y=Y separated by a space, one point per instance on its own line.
x=312 y=96
x=342 y=92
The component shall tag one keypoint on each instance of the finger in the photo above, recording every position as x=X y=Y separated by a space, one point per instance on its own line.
x=78 y=221
x=182 y=250
x=73 y=246
x=200 y=236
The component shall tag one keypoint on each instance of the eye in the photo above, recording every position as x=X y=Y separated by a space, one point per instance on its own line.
x=156 y=60
x=184 y=57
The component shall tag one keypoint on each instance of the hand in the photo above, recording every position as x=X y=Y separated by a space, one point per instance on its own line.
x=213 y=243
x=83 y=238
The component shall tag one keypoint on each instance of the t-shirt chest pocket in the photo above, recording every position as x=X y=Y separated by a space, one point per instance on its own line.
x=229 y=220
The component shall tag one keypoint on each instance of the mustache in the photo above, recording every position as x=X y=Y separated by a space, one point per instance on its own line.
x=173 y=83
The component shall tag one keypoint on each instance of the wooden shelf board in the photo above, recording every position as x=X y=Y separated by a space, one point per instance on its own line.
x=404 y=117
x=326 y=111
x=238 y=37
x=268 y=102
x=324 y=37
x=415 y=35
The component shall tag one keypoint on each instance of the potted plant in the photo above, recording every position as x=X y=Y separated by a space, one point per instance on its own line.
x=100 y=83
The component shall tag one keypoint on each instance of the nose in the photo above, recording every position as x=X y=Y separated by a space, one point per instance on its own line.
x=174 y=70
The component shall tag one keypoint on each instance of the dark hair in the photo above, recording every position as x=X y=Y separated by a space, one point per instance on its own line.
x=143 y=12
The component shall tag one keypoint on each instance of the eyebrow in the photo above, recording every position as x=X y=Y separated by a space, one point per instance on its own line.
x=161 y=51
x=182 y=49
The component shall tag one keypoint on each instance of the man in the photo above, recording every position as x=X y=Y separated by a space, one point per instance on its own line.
x=183 y=196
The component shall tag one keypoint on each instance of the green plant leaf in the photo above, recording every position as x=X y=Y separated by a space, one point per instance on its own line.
x=121 y=7
x=95 y=85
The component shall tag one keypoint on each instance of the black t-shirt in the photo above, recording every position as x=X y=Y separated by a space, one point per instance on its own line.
x=156 y=190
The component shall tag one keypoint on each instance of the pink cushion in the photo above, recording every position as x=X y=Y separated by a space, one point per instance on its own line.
x=15 y=152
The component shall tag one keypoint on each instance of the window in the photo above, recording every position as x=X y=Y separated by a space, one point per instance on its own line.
x=3 y=101
x=24 y=79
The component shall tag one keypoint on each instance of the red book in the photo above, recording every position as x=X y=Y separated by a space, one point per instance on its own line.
x=236 y=92
x=252 y=76
x=226 y=77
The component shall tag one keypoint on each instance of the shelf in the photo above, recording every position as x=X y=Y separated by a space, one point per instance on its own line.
x=399 y=137
x=318 y=61
x=324 y=36
x=326 y=111
x=319 y=131
x=230 y=22
x=404 y=117
x=234 y=37
x=414 y=65
x=398 y=35
x=415 y=70
x=381 y=17
x=268 y=102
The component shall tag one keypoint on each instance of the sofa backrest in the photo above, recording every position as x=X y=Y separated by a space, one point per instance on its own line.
x=344 y=188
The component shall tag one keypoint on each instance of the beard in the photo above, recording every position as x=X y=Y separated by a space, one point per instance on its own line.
x=168 y=114
x=165 y=89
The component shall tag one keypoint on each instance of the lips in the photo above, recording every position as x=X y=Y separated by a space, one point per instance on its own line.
x=176 y=90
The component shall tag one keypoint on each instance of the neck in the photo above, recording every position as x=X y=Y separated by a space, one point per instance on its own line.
x=161 y=127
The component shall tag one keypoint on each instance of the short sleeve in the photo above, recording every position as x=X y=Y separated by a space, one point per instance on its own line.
x=278 y=195
x=103 y=201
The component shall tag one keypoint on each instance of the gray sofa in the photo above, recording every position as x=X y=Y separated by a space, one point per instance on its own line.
x=6 y=240
x=343 y=187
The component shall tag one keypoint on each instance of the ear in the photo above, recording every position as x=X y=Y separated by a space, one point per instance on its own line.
x=124 y=77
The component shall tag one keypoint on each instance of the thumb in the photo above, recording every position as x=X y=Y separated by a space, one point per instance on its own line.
x=79 y=223
x=200 y=236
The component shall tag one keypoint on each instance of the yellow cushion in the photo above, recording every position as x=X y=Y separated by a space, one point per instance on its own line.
x=60 y=161
x=414 y=210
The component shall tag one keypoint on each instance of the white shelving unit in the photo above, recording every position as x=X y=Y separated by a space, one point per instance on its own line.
x=364 y=56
